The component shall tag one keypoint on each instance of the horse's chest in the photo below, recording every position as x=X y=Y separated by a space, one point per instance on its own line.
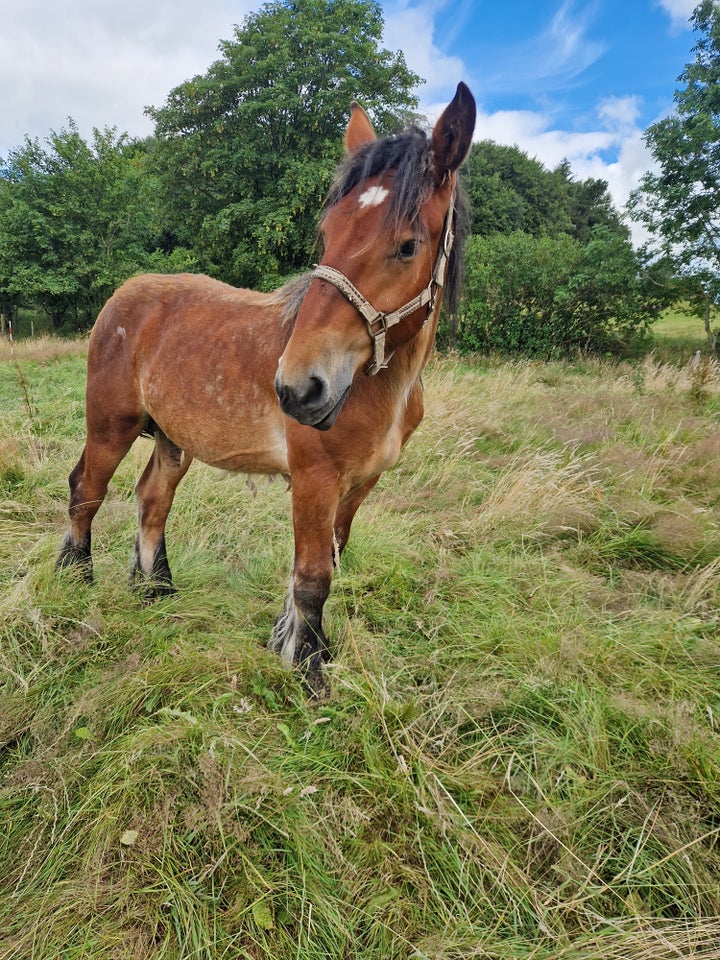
x=383 y=451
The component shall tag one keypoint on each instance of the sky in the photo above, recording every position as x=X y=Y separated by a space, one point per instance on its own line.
x=575 y=79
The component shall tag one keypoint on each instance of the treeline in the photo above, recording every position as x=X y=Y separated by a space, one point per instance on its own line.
x=233 y=178
x=550 y=268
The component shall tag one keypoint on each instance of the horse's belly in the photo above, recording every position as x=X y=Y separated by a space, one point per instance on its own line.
x=247 y=439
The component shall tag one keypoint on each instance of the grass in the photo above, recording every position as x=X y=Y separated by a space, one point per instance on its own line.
x=678 y=335
x=520 y=755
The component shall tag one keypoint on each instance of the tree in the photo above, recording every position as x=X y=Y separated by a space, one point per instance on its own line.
x=76 y=219
x=589 y=205
x=553 y=296
x=246 y=152
x=679 y=204
x=509 y=191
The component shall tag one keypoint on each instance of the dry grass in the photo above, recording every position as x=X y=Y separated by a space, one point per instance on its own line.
x=41 y=349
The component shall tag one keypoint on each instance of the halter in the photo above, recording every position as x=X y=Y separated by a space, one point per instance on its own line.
x=378 y=323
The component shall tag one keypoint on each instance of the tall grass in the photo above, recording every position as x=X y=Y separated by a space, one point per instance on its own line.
x=520 y=755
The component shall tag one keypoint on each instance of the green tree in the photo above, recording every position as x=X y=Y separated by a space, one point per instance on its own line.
x=246 y=151
x=553 y=296
x=76 y=219
x=589 y=205
x=680 y=202
x=509 y=191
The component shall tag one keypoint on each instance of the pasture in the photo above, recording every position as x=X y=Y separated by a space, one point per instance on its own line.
x=520 y=753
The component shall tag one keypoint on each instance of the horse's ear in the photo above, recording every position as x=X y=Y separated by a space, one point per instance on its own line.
x=359 y=130
x=453 y=132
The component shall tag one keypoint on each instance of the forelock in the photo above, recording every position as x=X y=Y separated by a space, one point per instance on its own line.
x=408 y=155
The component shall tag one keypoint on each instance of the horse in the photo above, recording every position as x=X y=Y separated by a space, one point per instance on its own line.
x=319 y=381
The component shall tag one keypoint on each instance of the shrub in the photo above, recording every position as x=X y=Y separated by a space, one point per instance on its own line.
x=551 y=296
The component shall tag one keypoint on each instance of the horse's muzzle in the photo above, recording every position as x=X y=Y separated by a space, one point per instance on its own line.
x=311 y=403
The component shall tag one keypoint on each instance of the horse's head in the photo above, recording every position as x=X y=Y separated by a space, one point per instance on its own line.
x=387 y=234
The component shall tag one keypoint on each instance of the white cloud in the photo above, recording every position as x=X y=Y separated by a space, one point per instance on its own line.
x=101 y=63
x=679 y=11
x=620 y=113
x=411 y=29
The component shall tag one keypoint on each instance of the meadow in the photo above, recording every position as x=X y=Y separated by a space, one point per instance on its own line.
x=520 y=753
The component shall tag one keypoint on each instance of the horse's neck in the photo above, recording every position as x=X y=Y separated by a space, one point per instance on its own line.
x=412 y=356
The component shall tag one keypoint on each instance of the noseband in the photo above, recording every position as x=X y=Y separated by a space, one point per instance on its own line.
x=378 y=323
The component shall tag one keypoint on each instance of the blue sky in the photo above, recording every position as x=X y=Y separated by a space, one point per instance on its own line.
x=560 y=78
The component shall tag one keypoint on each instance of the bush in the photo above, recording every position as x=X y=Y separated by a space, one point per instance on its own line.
x=552 y=296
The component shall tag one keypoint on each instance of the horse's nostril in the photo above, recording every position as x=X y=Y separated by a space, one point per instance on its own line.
x=307 y=397
x=316 y=393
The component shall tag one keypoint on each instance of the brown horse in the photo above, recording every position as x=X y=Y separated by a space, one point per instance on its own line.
x=319 y=381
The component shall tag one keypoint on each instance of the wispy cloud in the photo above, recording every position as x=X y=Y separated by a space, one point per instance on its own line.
x=679 y=11
x=566 y=40
x=554 y=57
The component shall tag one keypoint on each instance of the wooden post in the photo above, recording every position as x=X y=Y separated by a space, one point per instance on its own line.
x=2 y=324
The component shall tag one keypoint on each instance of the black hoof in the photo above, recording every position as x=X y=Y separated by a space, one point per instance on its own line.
x=158 y=583
x=76 y=556
x=149 y=590
x=309 y=660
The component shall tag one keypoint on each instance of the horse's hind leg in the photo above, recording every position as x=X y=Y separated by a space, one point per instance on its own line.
x=88 y=486
x=155 y=491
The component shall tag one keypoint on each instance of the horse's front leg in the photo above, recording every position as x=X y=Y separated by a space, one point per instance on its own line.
x=298 y=636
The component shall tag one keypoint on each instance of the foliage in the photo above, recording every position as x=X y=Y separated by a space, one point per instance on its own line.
x=510 y=191
x=552 y=296
x=76 y=219
x=679 y=203
x=245 y=152
x=519 y=756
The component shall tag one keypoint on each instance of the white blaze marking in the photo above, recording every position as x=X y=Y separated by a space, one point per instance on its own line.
x=373 y=197
x=121 y=332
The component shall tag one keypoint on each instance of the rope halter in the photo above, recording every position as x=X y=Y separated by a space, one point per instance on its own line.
x=378 y=323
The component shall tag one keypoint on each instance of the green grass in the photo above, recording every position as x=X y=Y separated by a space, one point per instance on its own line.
x=520 y=754
x=677 y=336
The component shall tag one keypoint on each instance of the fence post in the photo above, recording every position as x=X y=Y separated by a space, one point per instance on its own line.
x=2 y=324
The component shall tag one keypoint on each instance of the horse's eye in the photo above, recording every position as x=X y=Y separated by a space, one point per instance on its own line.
x=408 y=250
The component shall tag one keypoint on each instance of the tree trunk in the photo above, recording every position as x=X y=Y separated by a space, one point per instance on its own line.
x=711 y=334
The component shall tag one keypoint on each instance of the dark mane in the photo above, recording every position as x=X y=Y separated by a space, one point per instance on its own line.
x=409 y=155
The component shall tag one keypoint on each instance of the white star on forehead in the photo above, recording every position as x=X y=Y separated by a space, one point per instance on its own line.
x=373 y=197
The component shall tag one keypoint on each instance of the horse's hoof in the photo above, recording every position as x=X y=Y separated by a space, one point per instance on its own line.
x=151 y=590
x=75 y=558
x=316 y=686
x=156 y=591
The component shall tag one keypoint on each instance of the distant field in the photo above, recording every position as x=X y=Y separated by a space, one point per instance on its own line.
x=520 y=755
x=675 y=323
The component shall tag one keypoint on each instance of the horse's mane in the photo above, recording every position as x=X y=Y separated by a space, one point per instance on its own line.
x=291 y=295
x=409 y=155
